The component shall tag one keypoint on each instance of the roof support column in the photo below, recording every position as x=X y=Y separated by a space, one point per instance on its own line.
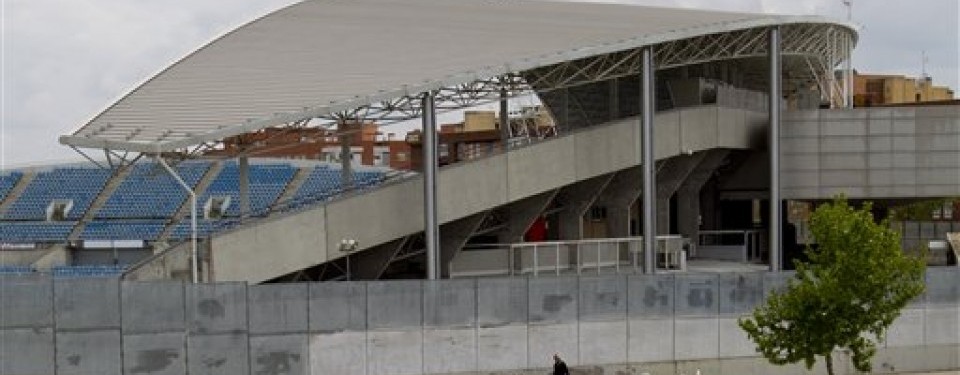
x=346 y=164
x=648 y=162
x=505 y=131
x=194 y=272
x=431 y=229
x=774 y=108
x=848 y=70
x=244 y=167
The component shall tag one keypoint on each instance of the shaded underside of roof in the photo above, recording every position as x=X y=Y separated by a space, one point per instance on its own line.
x=322 y=56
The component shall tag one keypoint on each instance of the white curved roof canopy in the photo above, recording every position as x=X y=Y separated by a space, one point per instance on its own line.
x=323 y=56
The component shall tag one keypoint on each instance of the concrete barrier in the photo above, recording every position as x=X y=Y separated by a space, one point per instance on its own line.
x=660 y=324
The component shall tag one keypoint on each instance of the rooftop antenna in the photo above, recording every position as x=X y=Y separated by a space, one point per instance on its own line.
x=849 y=5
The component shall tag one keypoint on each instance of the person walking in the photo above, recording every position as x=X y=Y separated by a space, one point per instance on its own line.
x=559 y=367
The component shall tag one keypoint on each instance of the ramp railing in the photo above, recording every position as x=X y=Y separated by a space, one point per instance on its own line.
x=736 y=245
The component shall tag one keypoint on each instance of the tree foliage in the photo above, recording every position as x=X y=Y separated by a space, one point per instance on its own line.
x=845 y=297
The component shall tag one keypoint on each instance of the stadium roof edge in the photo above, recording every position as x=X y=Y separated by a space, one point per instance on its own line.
x=154 y=119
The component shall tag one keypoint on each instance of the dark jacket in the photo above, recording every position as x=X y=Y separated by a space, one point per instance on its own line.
x=560 y=368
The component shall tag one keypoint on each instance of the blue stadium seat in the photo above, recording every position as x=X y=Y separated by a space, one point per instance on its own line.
x=78 y=271
x=82 y=185
x=146 y=230
x=35 y=231
x=7 y=182
x=150 y=192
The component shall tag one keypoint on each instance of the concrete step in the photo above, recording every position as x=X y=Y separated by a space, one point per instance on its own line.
x=184 y=210
x=119 y=175
x=17 y=190
x=295 y=183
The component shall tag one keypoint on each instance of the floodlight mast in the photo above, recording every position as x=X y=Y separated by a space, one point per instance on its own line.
x=193 y=217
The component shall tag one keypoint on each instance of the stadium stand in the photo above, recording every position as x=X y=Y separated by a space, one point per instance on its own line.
x=11 y=270
x=7 y=182
x=81 y=185
x=146 y=200
x=35 y=231
x=267 y=181
x=147 y=230
x=150 y=192
x=100 y=270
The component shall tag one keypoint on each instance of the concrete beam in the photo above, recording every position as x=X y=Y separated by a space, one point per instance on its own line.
x=523 y=213
x=577 y=198
x=688 y=195
x=454 y=235
x=669 y=178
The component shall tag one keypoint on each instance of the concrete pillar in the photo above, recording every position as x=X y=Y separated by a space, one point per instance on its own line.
x=577 y=199
x=621 y=192
x=522 y=215
x=669 y=178
x=688 y=195
x=454 y=236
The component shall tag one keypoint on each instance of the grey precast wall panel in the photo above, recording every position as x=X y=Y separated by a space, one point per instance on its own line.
x=338 y=307
x=603 y=298
x=217 y=308
x=911 y=229
x=697 y=295
x=775 y=282
x=26 y=351
x=278 y=308
x=502 y=301
x=942 y=286
x=740 y=293
x=651 y=295
x=450 y=303
x=92 y=303
x=27 y=302
x=155 y=354
x=223 y=354
x=394 y=304
x=279 y=355
x=150 y=307
x=553 y=299
x=89 y=353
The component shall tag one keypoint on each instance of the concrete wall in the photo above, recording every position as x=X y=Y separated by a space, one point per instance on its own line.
x=661 y=324
x=311 y=237
x=871 y=152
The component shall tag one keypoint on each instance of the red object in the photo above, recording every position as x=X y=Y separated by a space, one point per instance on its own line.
x=537 y=231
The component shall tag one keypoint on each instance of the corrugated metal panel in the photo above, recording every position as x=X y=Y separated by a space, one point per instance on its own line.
x=322 y=55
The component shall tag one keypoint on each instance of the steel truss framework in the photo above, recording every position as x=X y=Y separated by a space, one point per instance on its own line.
x=811 y=52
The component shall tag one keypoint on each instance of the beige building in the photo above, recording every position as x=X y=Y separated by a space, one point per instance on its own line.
x=877 y=89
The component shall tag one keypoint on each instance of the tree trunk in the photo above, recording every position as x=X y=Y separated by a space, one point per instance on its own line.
x=828 y=358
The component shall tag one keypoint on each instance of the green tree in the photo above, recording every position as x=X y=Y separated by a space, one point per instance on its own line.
x=849 y=293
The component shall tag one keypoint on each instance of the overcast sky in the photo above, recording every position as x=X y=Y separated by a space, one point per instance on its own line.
x=63 y=61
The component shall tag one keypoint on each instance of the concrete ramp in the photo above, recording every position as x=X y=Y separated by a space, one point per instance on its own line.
x=290 y=242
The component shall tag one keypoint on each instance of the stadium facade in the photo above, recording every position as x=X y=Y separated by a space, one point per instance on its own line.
x=667 y=143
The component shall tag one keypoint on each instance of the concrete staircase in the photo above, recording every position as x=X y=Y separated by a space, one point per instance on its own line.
x=184 y=210
x=17 y=190
x=295 y=183
x=119 y=175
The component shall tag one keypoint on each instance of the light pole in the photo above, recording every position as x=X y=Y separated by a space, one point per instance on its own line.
x=348 y=245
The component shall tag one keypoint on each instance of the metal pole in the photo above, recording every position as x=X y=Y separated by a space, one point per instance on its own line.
x=193 y=218
x=346 y=164
x=505 y=131
x=848 y=68
x=775 y=92
x=649 y=183
x=431 y=227
x=244 y=166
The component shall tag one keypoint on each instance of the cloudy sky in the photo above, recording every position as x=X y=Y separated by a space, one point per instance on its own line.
x=63 y=61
